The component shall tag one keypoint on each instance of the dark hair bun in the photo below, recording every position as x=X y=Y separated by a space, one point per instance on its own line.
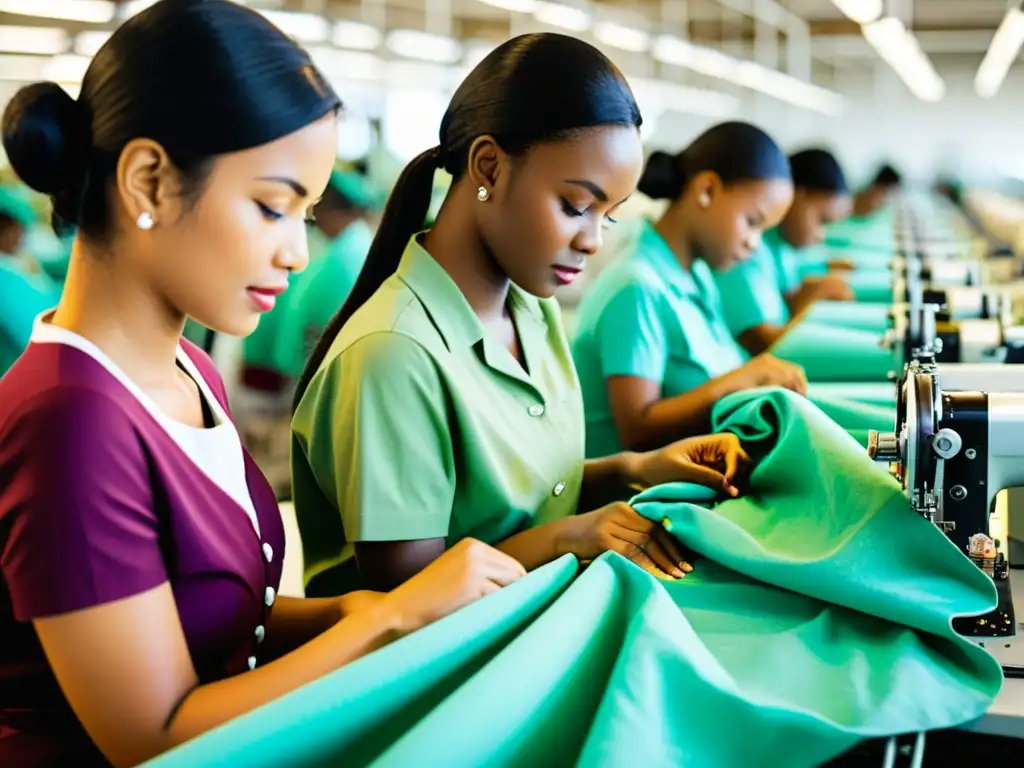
x=45 y=137
x=661 y=179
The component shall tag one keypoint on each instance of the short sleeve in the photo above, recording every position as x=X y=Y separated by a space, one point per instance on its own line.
x=378 y=440
x=750 y=294
x=77 y=520
x=629 y=335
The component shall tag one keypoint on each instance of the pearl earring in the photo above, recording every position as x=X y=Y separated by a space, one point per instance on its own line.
x=704 y=200
x=145 y=220
x=483 y=195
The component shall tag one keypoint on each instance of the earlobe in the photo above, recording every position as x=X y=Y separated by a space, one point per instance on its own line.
x=484 y=165
x=144 y=176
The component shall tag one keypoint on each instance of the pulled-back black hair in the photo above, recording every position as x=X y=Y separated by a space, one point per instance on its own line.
x=532 y=89
x=887 y=176
x=818 y=170
x=200 y=77
x=736 y=151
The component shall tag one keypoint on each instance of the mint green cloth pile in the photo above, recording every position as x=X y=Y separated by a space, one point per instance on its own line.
x=818 y=615
x=856 y=315
x=831 y=353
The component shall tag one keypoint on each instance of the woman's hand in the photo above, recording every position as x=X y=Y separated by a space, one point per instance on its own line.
x=462 y=575
x=716 y=461
x=830 y=287
x=768 y=371
x=619 y=528
x=841 y=265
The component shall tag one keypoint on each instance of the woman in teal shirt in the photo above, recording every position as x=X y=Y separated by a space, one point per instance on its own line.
x=762 y=295
x=25 y=289
x=652 y=347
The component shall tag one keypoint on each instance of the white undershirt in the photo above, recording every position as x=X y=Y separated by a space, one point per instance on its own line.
x=217 y=451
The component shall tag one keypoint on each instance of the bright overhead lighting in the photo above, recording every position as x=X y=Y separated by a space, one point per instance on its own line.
x=621 y=36
x=516 y=6
x=89 y=11
x=357 y=36
x=1001 y=54
x=900 y=50
x=89 y=43
x=561 y=15
x=304 y=27
x=21 y=68
x=779 y=85
x=41 y=40
x=67 y=68
x=341 y=66
x=413 y=44
x=860 y=11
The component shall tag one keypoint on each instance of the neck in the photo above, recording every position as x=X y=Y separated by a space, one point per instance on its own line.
x=456 y=246
x=675 y=231
x=862 y=204
x=108 y=305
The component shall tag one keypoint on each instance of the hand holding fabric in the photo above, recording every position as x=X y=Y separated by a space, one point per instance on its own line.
x=715 y=461
x=619 y=528
x=768 y=371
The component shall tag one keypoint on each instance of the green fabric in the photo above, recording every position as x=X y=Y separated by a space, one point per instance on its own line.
x=830 y=353
x=196 y=333
x=14 y=205
x=420 y=425
x=259 y=346
x=871 y=285
x=25 y=292
x=647 y=317
x=818 y=614
x=848 y=314
x=316 y=295
x=870 y=393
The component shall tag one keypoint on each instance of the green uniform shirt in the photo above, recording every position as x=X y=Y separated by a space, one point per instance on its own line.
x=754 y=292
x=646 y=316
x=316 y=295
x=875 y=231
x=418 y=425
x=24 y=294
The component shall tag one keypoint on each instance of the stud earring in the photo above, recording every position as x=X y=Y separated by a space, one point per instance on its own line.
x=704 y=201
x=483 y=195
x=145 y=220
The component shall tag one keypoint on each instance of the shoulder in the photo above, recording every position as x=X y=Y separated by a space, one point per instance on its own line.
x=625 y=285
x=393 y=309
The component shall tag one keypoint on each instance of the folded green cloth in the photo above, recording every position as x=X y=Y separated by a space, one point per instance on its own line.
x=871 y=285
x=830 y=353
x=856 y=315
x=818 y=614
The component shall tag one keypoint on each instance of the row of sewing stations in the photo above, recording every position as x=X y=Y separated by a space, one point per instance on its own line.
x=951 y=351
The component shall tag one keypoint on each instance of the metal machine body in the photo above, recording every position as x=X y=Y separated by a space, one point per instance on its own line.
x=953 y=453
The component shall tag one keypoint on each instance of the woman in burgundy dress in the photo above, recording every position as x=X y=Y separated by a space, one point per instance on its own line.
x=140 y=548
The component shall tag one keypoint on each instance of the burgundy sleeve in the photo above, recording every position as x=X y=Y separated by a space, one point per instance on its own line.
x=77 y=521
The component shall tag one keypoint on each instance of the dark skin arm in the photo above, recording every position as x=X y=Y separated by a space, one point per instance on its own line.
x=646 y=421
x=761 y=338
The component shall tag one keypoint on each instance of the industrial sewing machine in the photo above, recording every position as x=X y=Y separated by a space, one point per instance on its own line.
x=954 y=452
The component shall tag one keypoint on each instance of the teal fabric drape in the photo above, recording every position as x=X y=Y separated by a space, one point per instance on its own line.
x=855 y=315
x=818 y=614
x=830 y=353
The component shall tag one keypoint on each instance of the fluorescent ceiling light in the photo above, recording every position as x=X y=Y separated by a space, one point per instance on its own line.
x=698 y=101
x=860 y=11
x=89 y=11
x=304 y=27
x=1001 y=54
x=681 y=53
x=561 y=15
x=22 y=68
x=67 y=68
x=89 y=43
x=41 y=40
x=357 y=36
x=413 y=44
x=621 y=36
x=900 y=50
x=516 y=6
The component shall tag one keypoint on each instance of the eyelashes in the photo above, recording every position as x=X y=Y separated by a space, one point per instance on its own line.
x=271 y=215
x=573 y=212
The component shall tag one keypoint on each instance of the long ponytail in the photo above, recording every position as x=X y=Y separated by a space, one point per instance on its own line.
x=403 y=217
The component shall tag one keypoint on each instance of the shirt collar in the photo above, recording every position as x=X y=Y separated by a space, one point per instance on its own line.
x=654 y=250
x=445 y=303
